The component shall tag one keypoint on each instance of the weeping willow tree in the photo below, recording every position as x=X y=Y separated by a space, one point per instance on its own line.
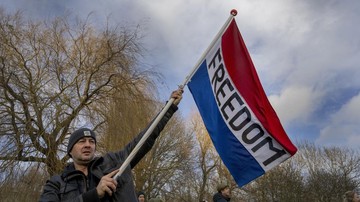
x=55 y=76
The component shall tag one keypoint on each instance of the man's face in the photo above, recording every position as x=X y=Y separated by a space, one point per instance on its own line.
x=141 y=198
x=83 y=150
x=226 y=192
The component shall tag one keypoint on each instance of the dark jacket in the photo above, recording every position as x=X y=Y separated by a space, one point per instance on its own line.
x=218 y=197
x=73 y=185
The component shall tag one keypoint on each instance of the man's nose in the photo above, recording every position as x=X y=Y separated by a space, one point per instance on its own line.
x=87 y=143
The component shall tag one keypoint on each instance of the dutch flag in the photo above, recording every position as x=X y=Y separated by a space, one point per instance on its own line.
x=242 y=124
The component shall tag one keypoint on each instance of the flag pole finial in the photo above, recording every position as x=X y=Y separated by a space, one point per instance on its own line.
x=233 y=12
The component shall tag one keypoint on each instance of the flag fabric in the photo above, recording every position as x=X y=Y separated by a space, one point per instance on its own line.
x=240 y=120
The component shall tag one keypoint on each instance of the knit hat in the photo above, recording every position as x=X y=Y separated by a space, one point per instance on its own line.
x=222 y=186
x=77 y=135
x=140 y=193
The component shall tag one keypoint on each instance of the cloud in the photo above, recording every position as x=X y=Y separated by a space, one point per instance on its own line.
x=295 y=103
x=343 y=127
x=308 y=64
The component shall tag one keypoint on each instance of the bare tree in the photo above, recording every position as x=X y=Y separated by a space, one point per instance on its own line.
x=206 y=157
x=160 y=172
x=335 y=171
x=54 y=76
x=314 y=174
x=127 y=113
x=25 y=185
x=282 y=183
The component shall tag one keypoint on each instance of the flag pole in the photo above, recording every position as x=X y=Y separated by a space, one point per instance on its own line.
x=132 y=154
x=144 y=138
x=233 y=13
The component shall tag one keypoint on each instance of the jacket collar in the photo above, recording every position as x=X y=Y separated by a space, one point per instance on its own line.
x=70 y=171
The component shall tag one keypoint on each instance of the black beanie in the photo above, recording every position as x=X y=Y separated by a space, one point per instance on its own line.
x=77 y=135
x=140 y=193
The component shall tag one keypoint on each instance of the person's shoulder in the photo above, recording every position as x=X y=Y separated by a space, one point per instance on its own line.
x=105 y=158
x=54 y=182
x=217 y=195
x=55 y=178
x=107 y=162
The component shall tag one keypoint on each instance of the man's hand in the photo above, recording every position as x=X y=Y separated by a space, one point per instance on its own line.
x=107 y=184
x=177 y=95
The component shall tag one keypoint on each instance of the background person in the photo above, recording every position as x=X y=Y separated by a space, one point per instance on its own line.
x=223 y=193
x=141 y=196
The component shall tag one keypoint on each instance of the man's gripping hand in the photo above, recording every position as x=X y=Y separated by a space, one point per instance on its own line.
x=177 y=95
x=107 y=184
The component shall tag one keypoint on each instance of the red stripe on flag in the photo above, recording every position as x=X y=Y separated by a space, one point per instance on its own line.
x=242 y=72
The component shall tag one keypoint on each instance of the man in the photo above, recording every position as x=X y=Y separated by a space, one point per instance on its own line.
x=223 y=194
x=89 y=178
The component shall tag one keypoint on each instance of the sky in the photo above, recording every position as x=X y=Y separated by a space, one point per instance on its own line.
x=306 y=53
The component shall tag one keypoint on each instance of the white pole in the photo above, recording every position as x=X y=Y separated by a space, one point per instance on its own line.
x=167 y=106
x=144 y=138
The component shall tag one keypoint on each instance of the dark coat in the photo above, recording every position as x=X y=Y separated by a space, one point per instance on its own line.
x=73 y=185
x=218 y=197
